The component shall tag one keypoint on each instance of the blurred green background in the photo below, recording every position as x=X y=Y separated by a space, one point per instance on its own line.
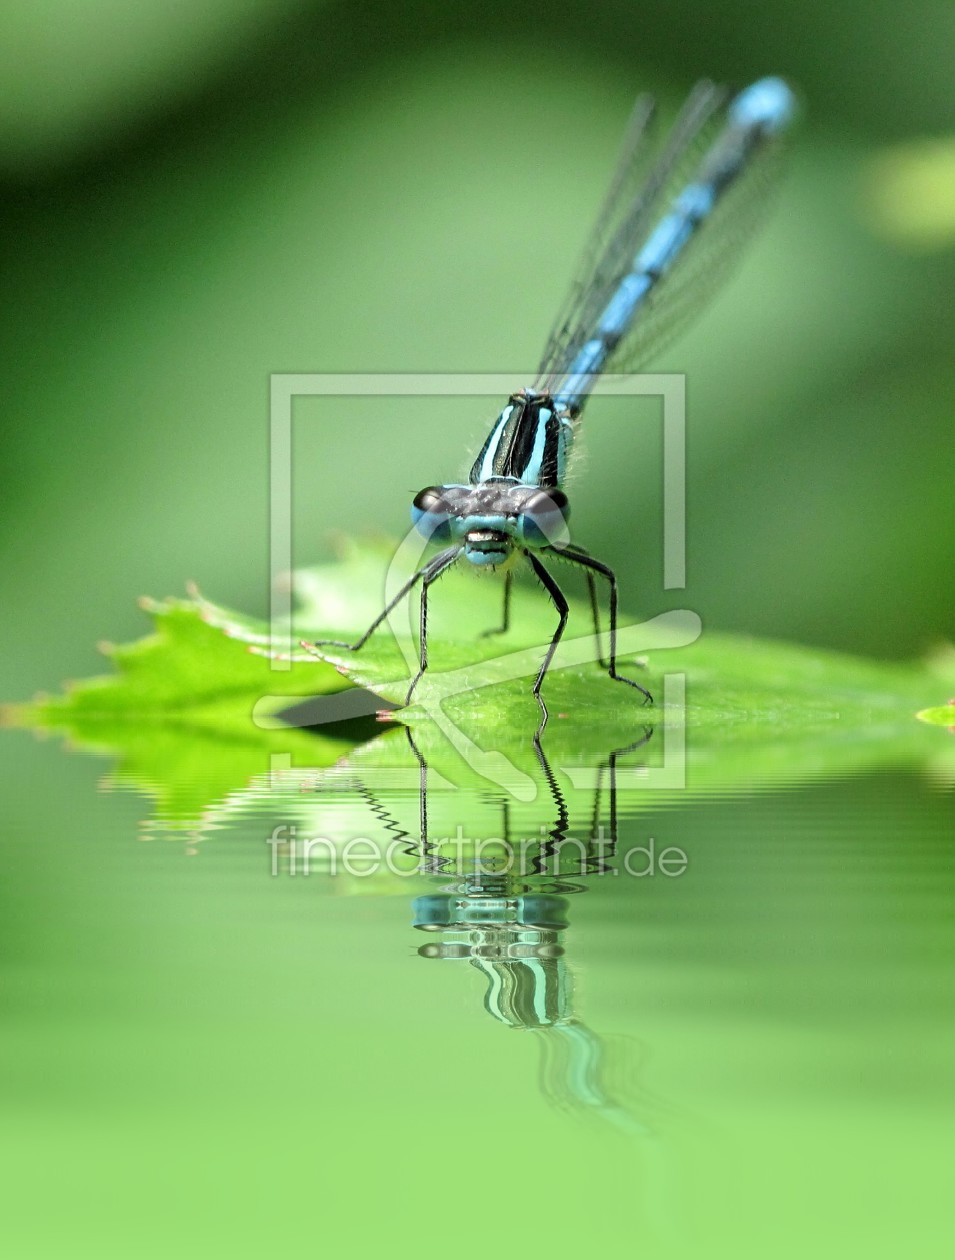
x=198 y=1060
x=196 y=196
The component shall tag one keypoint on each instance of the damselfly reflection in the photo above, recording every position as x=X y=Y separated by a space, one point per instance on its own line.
x=502 y=903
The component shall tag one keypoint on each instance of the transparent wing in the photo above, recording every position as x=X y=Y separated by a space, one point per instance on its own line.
x=630 y=172
x=702 y=268
x=643 y=184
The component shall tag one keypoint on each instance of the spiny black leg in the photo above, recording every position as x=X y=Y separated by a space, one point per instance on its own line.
x=431 y=573
x=588 y=562
x=595 y=609
x=594 y=606
x=560 y=603
x=501 y=629
x=405 y=590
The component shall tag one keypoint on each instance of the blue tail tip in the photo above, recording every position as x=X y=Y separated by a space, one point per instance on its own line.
x=768 y=103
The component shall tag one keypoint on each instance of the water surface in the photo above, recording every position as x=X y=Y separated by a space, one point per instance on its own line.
x=213 y=1045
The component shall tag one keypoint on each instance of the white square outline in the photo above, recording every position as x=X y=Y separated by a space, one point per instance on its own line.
x=285 y=387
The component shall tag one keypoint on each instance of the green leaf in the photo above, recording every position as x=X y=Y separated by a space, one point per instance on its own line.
x=187 y=671
x=178 y=711
x=939 y=715
x=734 y=683
x=193 y=709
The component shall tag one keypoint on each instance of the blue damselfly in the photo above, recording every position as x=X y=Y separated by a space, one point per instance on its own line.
x=673 y=220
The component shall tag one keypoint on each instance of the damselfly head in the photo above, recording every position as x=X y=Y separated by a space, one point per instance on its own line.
x=493 y=518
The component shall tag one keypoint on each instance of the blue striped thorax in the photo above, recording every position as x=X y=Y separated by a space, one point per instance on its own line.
x=529 y=443
x=513 y=500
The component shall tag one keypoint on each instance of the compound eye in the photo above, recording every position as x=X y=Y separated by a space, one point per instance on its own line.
x=543 y=519
x=431 y=499
x=431 y=515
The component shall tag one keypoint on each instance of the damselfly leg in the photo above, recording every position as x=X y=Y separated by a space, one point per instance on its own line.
x=560 y=603
x=428 y=572
x=577 y=555
x=438 y=565
x=506 y=615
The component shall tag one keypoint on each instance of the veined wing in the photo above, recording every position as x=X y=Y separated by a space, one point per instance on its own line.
x=701 y=270
x=633 y=164
x=644 y=180
x=687 y=224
